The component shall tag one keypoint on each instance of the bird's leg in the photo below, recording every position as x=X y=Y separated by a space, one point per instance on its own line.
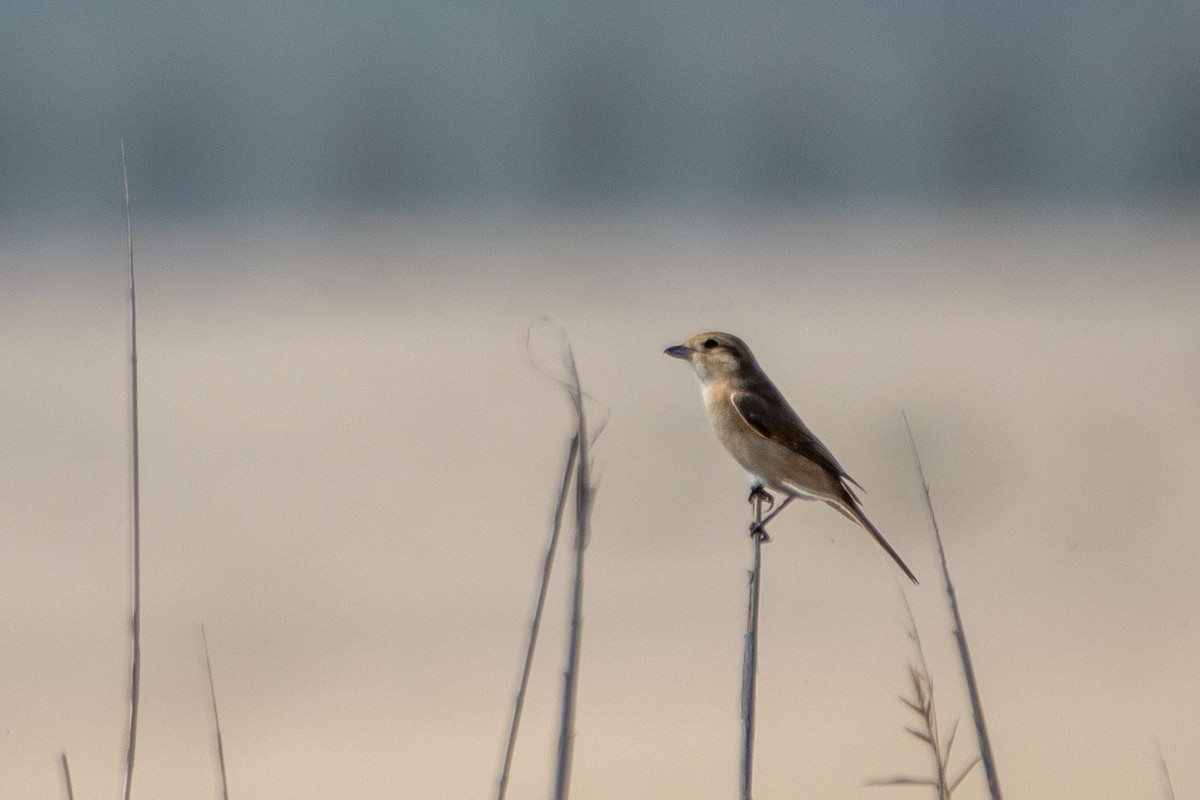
x=759 y=527
x=757 y=491
x=775 y=513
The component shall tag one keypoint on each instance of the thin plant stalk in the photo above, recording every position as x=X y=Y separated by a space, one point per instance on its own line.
x=584 y=500
x=67 y=777
x=960 y=637
x=1168 y=789
x=135 y=660
x=584 y=493
x=921 y=703
x=535 y=626
x=212 y=693
x=750 y=654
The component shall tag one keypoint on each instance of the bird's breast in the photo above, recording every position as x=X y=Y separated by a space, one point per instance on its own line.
x=747 y=446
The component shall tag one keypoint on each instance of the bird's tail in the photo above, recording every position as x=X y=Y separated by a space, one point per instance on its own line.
x=849 y=507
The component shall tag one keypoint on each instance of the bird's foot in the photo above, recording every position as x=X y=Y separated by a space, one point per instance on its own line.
x=758 y=528
x=757 y=531
x=758 y=492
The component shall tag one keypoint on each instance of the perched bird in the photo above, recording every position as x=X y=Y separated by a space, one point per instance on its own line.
x=763 y=434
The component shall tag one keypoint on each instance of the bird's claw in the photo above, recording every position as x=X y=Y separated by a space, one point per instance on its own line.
x=758 y=492
x=757 y=531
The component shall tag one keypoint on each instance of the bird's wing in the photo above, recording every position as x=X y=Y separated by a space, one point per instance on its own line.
x=772 y=417
x=778 y=422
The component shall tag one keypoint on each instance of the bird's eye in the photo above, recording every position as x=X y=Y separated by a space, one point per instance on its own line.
x=709 y=344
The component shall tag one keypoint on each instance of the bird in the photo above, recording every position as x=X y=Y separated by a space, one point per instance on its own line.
x=761 y=431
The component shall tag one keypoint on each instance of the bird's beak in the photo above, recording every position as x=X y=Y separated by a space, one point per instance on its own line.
x=679 y=351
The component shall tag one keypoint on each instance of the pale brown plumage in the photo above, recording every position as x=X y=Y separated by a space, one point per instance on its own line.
x=761 y=431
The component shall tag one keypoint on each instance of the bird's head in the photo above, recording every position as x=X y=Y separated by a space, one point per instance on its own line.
x=715 y=355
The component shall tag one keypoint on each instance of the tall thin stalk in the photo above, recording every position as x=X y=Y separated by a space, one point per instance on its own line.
x=584 y=493
x=750 y=653
x=212 y=693
x=67 y=777
x=1168 y=789
x=960 y=636
x=135 y=660
x=535 y=626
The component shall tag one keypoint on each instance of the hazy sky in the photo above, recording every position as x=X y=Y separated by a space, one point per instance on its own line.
x=348 y=467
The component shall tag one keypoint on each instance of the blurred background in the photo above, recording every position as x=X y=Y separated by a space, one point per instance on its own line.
x=346 y=219
x=395 y=105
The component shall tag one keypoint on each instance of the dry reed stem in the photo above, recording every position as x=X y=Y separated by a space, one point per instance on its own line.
x=212 y=693
x=921 y=703
x=584 y=495
x=960 y=637
x=585 y=492
x=135 y=660
x=1168 y=789
x=750 y=653
x=67 y=777
x=539 y=606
